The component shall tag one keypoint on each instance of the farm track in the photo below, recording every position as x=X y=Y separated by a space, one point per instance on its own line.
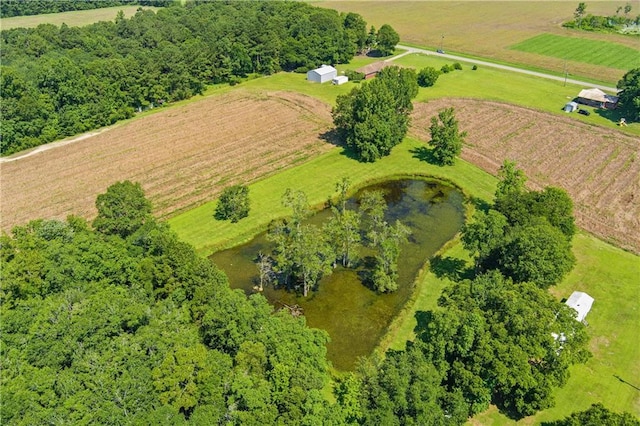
x=185 y=156
x=598 y=167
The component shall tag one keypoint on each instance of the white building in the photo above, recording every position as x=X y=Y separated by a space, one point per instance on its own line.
x=323 y=74
x=341 y=79
x=581 y=303
x=570 y=107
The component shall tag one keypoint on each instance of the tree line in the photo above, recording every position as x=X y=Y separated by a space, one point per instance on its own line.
x=60 y=81
x=10 y=8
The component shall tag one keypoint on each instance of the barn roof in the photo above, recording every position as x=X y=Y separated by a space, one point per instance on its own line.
x=373 y=68
x=581 y=303
x=597 y=95
x=325 y=69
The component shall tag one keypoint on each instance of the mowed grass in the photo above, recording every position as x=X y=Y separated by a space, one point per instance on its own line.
x=612 y=376
x=505 y=86
x=317 y=178
x=488 y=28
x=76 y=18
x=609 y=274
x=595 y=52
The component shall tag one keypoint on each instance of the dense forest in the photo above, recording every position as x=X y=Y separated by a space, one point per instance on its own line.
x=117 y=321
x=61 y=81
x=9 y=8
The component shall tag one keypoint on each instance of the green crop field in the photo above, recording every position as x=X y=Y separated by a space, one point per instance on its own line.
x=580 y=50
x=488 y=28
x=76 y=18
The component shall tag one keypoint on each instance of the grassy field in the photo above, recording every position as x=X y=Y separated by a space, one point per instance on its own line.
x=317 y=178
x=595 y=52
x=605 y=272
x=488 y=28
x=483 y=83
x=76 y=18
x=608 y=274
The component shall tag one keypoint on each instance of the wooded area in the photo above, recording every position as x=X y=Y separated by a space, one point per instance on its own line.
x=125 y=323
x=58 y=82
x=10 y=8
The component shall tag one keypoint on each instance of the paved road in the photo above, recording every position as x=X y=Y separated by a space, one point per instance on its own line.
x=502 y=67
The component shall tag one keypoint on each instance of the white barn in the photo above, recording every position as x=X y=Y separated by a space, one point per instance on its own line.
x=323 y=74
x=581 y=303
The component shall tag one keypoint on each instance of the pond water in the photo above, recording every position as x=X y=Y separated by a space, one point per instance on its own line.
x=355 y=316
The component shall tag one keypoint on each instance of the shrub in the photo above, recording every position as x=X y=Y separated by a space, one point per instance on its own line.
x=428 y=76
x=457 y=66
x=446 y=69
x=233 y=204
x=354 y=75
x=475 y=67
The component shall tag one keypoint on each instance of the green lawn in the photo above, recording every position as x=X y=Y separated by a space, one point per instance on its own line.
x=609 y=274
x=505 y=86
x=317 y=178
x=594 y=52
x=76 y=18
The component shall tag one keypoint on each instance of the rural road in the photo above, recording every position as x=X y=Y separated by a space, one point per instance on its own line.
x=502 y=67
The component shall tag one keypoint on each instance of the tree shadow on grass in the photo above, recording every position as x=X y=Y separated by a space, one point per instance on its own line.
x=334 y=138
x=480 y=204
x=451 y=268
x=423 y=153
x=614 y=115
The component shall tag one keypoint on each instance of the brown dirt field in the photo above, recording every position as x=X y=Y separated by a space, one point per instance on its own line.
x=182 y=156
x=598 y=167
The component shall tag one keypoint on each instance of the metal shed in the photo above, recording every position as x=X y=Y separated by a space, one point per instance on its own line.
x=323 y=74
x=570 y=106
x=581 y=302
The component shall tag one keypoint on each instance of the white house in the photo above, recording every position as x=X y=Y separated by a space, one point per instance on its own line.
x=341 y=79
x=581 y=303
x=323 y=74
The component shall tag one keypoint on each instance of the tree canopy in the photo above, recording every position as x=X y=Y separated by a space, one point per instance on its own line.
x=101 y=329
x=526 y=234
x=446 y=139
x=629 y=93
x=374 y=118
x=233 y=204
x=61 y=81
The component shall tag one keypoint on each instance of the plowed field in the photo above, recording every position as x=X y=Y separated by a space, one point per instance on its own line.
x=598 y=167
x=182 y=156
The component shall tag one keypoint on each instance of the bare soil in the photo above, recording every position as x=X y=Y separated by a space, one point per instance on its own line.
x=598 y=167
x=182 y=156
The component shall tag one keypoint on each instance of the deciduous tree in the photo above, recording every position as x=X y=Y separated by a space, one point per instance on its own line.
x=233 y=204
x=122 y=210
x=629 y=92
x=446 y=139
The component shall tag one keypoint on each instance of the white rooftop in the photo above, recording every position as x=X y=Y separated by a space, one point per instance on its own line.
x=581 y=303
x=325 y=69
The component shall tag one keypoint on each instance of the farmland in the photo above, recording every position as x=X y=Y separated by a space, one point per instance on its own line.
x=73 y=19
x=594 y=52
x=597 y=167
x=273 y=133
x=181 y=156
x=488 y=29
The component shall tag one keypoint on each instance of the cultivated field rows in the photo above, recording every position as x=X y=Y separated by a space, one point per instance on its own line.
x=598 y=167
x=185 y=156
x=182 y=156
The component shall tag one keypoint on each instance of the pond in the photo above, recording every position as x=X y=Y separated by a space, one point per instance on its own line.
x=355 y=316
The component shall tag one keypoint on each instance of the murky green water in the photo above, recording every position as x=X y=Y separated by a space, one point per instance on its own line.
x=354 y=316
